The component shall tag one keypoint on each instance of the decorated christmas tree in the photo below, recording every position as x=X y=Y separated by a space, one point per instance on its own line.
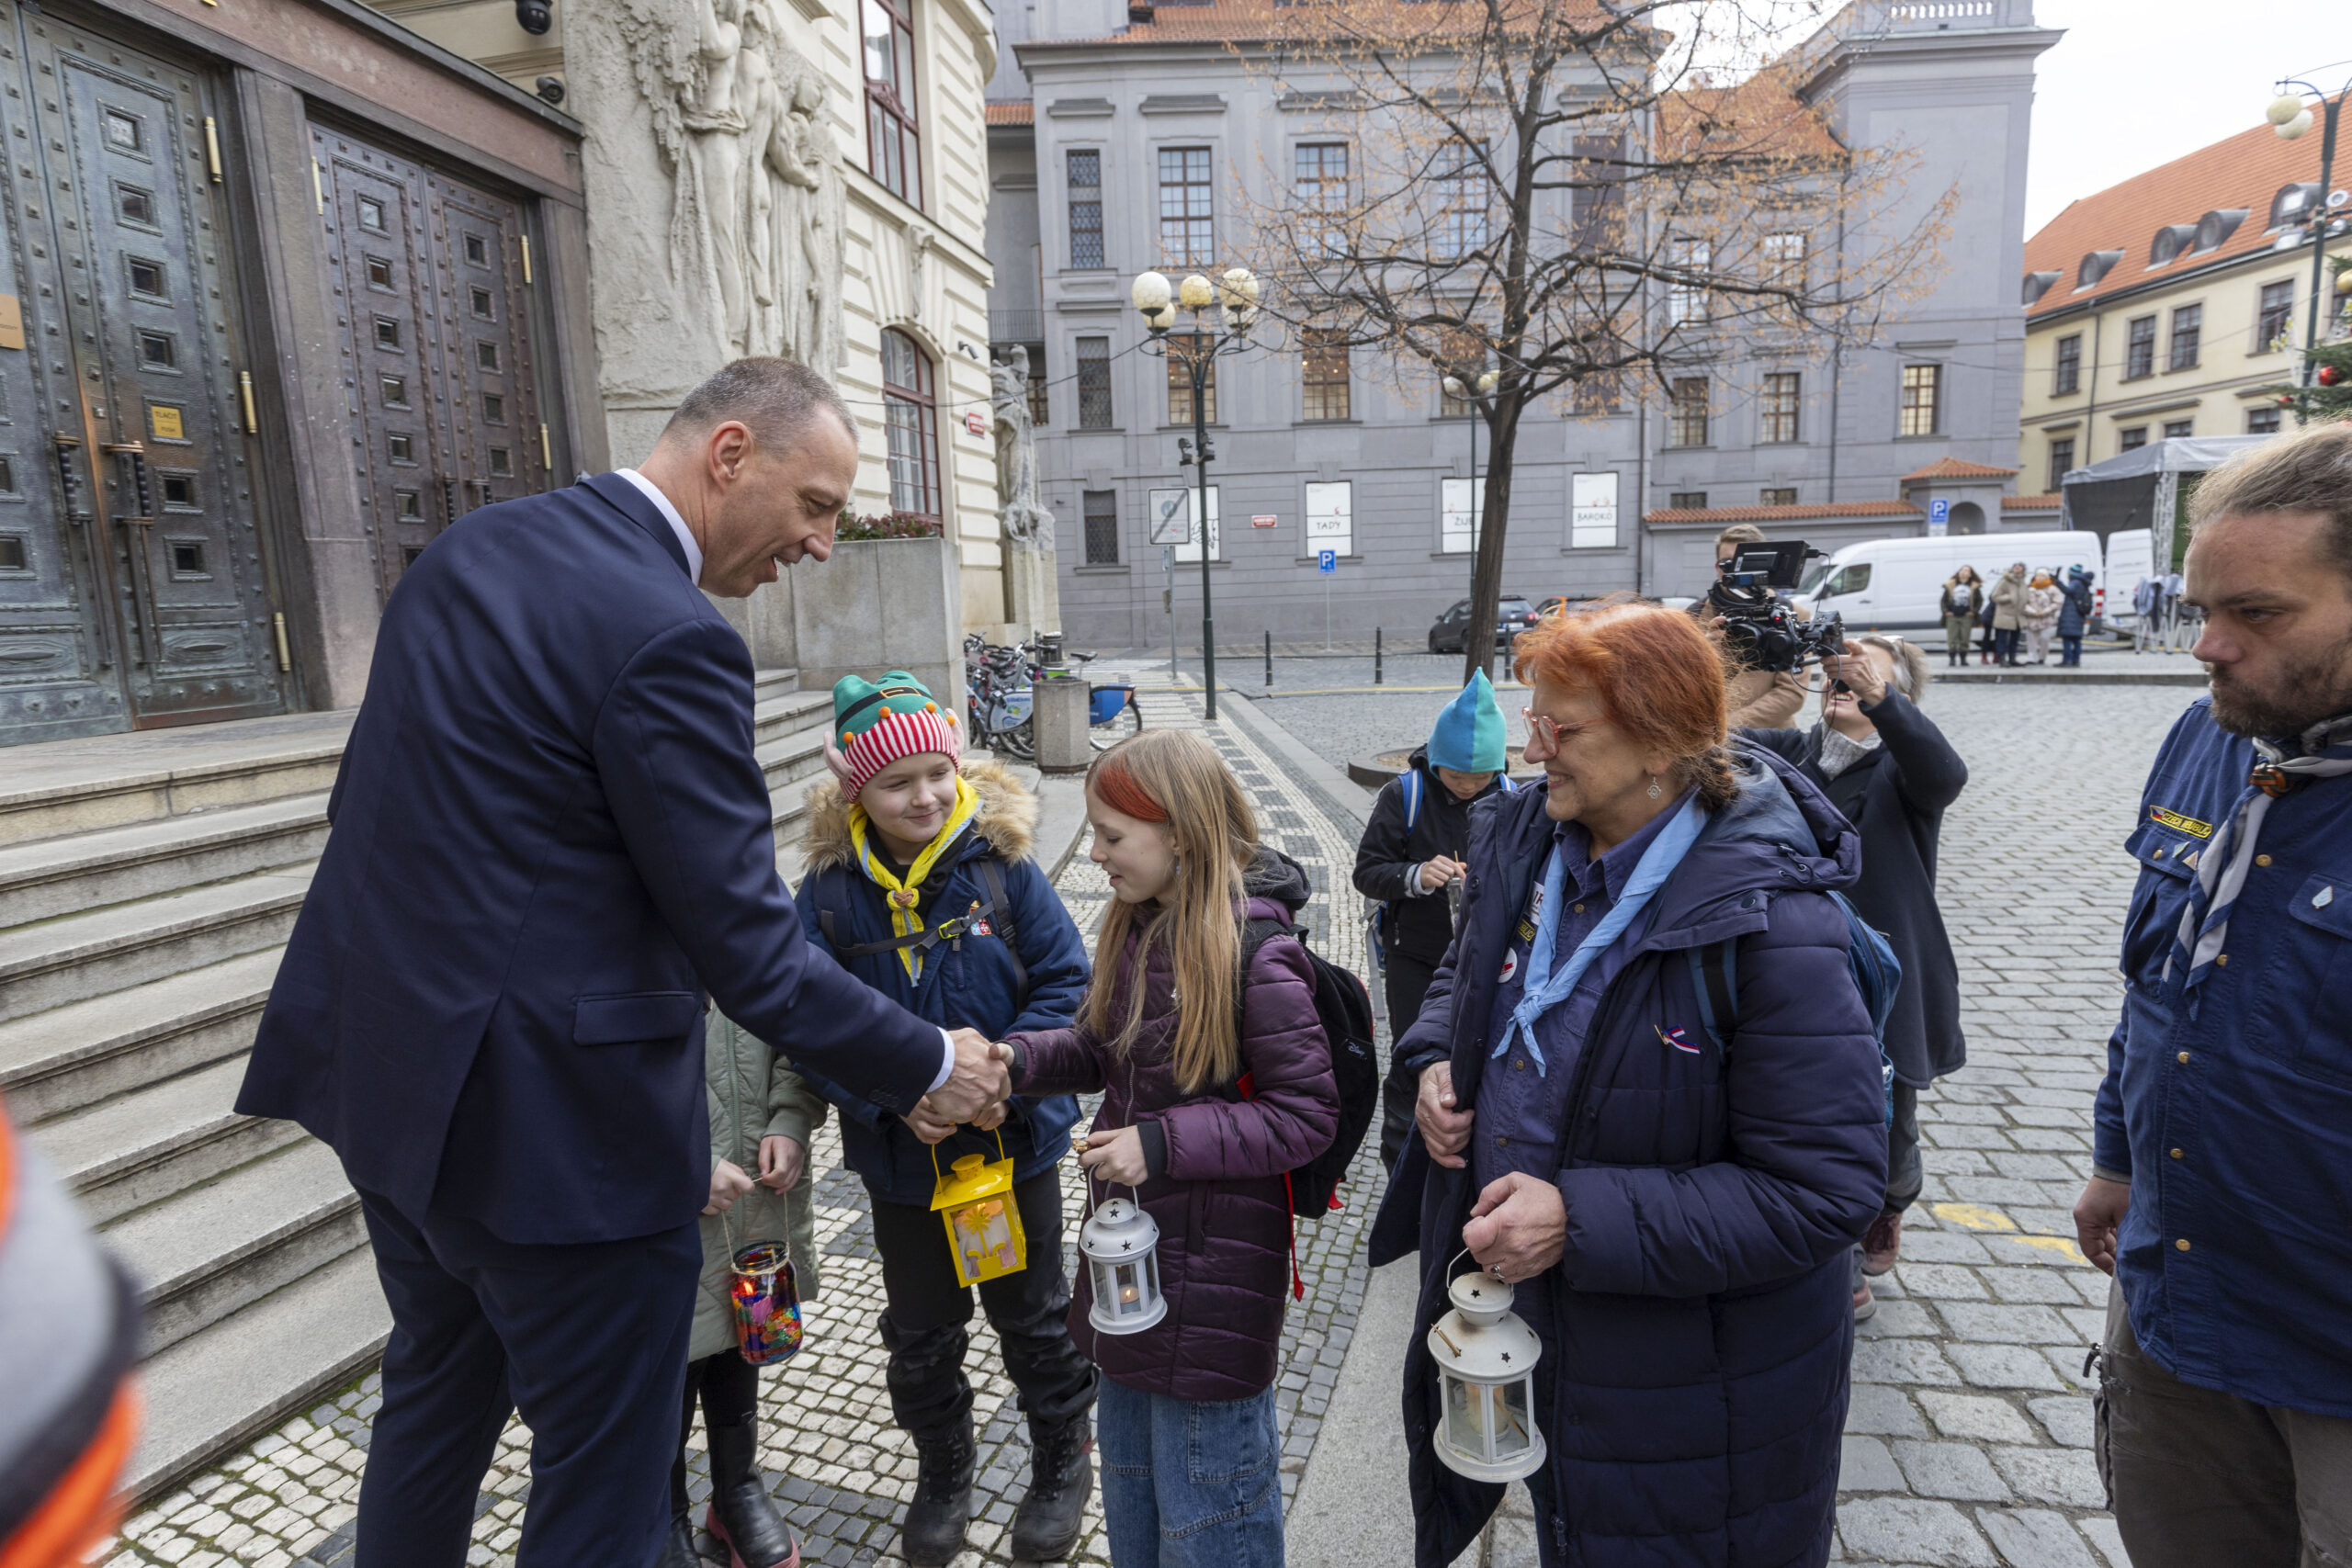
x=2328 y=394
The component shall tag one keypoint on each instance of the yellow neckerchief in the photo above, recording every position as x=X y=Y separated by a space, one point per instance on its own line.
x=903 y=896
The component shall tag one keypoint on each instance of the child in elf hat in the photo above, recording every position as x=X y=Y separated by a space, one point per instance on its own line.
x=920 y=883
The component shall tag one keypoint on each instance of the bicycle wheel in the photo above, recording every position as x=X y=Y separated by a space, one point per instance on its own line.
x=1019 y=742
x=1127 y=721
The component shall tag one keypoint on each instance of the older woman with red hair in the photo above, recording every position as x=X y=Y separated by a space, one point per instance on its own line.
x=1650 y=1100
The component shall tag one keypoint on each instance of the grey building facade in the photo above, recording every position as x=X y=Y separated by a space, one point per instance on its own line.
x=1119 y=142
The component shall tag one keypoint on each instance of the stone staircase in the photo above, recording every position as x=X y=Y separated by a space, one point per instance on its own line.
x=147 y=885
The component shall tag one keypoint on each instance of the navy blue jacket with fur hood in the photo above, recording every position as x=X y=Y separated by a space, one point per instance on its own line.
x=1694 y=1378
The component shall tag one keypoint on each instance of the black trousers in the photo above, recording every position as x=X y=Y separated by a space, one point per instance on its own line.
x=1905 y=1174
x=923 y=1322
x=587 y=1340
x=1407 y=982
x=728 y=1387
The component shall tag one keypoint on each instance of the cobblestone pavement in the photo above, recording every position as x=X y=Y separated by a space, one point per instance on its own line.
x=840 y=1467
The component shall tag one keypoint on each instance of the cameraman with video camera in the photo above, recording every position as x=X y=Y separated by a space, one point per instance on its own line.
x=1755 y=698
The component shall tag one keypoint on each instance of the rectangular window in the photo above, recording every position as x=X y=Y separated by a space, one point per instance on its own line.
x=2277 y=315
x=1101 y=508
x=1592 y=511
x=1094 y=383
x=1461 y=506
x=1783 y=259
x=1923 y=389
x=1187 y=233
x=2068 y=377
x=1687 y=422
x=2139 y=349
x=1036 y=385
x=1319 y=181
x=1331 y=517
x=1781 y=495
x=1180 y=382
x=2176 y=428
x=893 y=145
x=2262 y=422
x=1686 y=296
x=1783 y=394
x=2187 y=326
x=1460 y=172
x=1686 y=500
x=2134 y=438
x=1327 y=374
x=2061 y=458
x=1185 y=504
x=1085 y=166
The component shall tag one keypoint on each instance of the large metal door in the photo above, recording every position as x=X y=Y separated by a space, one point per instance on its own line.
x=433 y=304
x=127 y=154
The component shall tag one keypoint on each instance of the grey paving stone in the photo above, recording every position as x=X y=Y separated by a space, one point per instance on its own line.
x=1913 y=1529
x=2068 y=1418
x=2035 y=1537
x=2052 y=1475
x=1901 y=1361
x=2100 y=1531
x=1975 y=1416
x=1864 y=1465
x=2003 y=1366
x=1884 y=1408
x=1949 y=1470
x=2007 y=1324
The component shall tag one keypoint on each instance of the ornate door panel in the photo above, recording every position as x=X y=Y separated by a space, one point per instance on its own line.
x=130 y=157
x=434 y=314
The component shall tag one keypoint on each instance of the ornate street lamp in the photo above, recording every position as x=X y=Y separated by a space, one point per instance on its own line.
x=2290 y=115
x=1222 y=312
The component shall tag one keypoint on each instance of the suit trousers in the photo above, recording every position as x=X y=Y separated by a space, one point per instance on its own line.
x=2199 y=1478
x=587 y=1340
x=1407 y=984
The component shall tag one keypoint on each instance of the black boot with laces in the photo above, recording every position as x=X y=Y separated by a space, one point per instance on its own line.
x=1051 y=1515
x=942 y=1510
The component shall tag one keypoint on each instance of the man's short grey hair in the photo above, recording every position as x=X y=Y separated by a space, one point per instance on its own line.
x=1911 y=673
x=775 y=399
x=2308 y=471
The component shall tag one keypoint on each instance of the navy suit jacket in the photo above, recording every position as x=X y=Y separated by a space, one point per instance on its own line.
x=550 y=837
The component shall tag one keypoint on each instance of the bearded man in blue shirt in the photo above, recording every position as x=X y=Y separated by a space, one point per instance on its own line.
x=2223 y=1154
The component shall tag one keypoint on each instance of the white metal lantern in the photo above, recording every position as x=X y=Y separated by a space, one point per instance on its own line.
x=1485 y=1359
x=1120 y=1245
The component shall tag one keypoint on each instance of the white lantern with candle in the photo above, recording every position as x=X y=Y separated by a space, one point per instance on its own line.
x=1485 y=1359
x=1120 y=1244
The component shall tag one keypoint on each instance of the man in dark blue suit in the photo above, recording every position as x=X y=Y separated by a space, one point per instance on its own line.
x=550 y=838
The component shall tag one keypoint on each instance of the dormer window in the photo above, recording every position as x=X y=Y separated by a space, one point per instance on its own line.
x=2293 y=203
x=2215 y=228
x=2093 y=266
x=2171 y=240
x=2036 y=284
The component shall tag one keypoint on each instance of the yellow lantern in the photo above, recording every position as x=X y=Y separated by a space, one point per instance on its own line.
x=975 y=1203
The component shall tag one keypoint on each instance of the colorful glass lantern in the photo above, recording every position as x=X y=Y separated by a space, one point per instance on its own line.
x=766 y=1298
x=1485 y=1359
x=1120 y=1244
x=975 y=1201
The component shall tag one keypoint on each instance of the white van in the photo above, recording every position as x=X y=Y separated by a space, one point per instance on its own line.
x=2130 y=556
x=1897 y=584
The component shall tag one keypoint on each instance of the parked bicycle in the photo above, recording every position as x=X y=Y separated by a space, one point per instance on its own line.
x=1000 y=698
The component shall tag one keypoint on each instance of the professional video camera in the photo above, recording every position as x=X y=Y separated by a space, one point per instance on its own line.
x=1759 y=627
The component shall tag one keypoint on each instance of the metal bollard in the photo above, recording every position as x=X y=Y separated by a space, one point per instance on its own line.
x=1375 y=655
x=1270 y=661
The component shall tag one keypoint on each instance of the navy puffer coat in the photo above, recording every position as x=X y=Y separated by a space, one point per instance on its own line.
x=1694 y=1376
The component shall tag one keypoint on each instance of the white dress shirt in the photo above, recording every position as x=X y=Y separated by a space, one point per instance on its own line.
x=694 y=570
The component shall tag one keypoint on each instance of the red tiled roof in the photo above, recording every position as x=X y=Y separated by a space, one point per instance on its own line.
x=1956 y=468
x=2245 y=170
x=1013 y=114
x=2049 y=502
x=1782 y=513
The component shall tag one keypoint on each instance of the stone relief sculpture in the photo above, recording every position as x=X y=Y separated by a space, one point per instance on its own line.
x=756 y=208
x=1026 y=520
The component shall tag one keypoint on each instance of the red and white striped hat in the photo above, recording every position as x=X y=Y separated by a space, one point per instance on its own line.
x=876 y=723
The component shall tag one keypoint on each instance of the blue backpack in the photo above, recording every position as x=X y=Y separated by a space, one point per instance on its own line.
x=1878 y=975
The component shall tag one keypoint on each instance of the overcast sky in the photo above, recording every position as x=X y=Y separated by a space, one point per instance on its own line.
x=2138 y=82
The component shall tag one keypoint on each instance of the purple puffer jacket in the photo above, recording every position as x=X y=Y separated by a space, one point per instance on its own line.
x=1223 y=1215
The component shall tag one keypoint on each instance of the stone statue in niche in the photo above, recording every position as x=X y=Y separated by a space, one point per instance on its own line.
x=1026 y=520
x=756 y=206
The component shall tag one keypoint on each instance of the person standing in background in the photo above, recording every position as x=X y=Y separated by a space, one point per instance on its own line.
x=2043 y=600
x=2009 y=614
x=2074 y=615
x=1767 y=699
x=1409 y=860
x=1963 y=596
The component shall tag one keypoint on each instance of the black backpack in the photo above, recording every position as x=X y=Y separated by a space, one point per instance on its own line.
x=1344 y=1009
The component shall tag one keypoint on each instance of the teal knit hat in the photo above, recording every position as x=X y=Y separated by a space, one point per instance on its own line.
x=1468 y=736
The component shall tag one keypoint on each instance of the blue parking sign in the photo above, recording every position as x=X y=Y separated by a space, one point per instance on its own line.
x=1938 y=515
x=1327 y=560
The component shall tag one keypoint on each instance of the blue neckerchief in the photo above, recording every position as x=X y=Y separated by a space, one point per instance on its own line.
x=1545 y=990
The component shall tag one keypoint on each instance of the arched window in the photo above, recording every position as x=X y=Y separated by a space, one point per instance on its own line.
x=2170 y=242
x=2093 y=266
x=910 y=419
x=2293 y=203
x=2215 y=228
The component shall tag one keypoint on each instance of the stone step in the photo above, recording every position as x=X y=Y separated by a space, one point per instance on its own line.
x=72 y=1057
x=774 y=717
x=56 y=787
x=235 y=1379
x=47 y=877
x=204 y=1253
x=766 y=683
x=152 y=1142
x=73 y=957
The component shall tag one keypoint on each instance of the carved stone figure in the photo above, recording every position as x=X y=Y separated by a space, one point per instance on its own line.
x=1025 y=519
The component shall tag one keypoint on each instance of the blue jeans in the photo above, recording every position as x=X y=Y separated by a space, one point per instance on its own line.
x=1190 y=1484
x=2070 y=650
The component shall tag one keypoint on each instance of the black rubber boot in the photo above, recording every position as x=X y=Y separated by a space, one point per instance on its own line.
x=1046 y=1525
x=942 y=1510
x=742 y=1516
x=678 y=1546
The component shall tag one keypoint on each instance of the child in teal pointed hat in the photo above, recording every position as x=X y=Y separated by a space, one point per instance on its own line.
x=1468 y=735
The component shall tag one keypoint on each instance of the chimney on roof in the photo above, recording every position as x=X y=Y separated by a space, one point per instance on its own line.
x=1139 y=13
